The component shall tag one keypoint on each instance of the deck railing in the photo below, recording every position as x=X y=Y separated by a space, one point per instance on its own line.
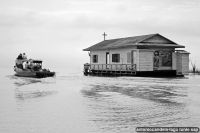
x=113 y=67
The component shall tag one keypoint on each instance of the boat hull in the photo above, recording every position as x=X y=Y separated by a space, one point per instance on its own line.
x=44 y=74
x=33 y=74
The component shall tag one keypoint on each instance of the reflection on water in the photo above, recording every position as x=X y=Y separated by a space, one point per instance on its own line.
x=21 y=81
x=26 y=82
x=27 y=88
x=26 y=94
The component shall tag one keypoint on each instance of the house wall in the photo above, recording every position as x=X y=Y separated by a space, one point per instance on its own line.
x=141 y=57
x=179 y=64
x=185 y=63
x=102 y=55
x=123 y=56
x=182 y=63
x=174 y=60
x=145 y=60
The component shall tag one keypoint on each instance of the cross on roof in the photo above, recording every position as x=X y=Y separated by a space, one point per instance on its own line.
x=104 y=35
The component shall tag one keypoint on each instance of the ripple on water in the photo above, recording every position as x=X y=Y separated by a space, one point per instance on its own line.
x=121 y=106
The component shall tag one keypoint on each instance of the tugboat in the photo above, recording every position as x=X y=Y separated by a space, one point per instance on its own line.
x=31 y=68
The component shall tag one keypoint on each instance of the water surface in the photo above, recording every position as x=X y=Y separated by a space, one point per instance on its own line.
x=74 y=103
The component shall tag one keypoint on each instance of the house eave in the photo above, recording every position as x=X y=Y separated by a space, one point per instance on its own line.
x=110 y=48
x=155 y=46
x=137 y=46
x=86 y=49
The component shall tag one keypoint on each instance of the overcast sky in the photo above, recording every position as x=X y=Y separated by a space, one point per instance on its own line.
x=58 y=30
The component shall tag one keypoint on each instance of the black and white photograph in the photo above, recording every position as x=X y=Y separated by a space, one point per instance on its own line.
x=99 y=66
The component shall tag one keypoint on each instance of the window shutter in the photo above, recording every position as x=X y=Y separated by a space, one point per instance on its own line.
x=129 y=57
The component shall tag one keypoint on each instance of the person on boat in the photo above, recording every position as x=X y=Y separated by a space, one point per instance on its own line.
x=24 y=56
x=30 y=65
x=39 y=67
x=20 y=57
x=18 y=63
x=25 y=65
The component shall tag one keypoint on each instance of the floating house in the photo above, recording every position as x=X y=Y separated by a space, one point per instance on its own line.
x=145 y=55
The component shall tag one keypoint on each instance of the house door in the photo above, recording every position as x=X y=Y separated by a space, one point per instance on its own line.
x=133 y=55
x=107 y=58
x=133 y=59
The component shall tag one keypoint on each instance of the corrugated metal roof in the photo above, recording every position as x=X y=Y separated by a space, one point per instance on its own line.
x=130 y=41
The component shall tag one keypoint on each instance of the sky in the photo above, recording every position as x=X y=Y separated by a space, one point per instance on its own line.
x=57 y=30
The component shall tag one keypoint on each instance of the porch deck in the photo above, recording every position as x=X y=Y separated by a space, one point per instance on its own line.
x=124 y=70
x=111 y=69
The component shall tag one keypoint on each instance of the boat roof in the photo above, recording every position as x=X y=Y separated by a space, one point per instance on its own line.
x=37 y=61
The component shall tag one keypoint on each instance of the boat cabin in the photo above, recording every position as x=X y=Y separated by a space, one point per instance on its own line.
x=145 y=55
x=36 y=64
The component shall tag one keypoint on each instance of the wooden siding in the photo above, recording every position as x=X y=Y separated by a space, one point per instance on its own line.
x=182 y=63
x=179 y=64
x=137 y=59
x=123 y=55
x=174 y=60
x=101 y=57
x=185 y=63
x=145 y=60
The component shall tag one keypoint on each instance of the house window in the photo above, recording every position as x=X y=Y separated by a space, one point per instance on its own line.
x=116 y=58
x=95 y=58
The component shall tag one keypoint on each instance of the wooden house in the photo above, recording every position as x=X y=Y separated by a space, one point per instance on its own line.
x=145 y=55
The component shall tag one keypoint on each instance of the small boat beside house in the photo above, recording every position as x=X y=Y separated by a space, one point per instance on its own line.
x=145 y=55
x=31 y=68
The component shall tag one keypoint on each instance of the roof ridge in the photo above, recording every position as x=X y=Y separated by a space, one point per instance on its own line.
x=133 y=36
x=148 y=36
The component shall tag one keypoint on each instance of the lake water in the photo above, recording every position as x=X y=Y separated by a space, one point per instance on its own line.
x=71 y=102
